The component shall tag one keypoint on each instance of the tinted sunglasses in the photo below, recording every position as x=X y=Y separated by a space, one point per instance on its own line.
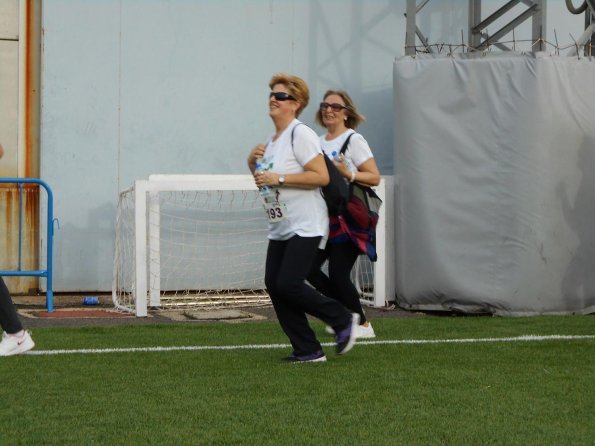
x=334 y=106
x=281 y=96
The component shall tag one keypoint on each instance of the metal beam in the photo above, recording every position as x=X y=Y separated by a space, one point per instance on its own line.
x=492 y=39
x=583 y=40
x=496 y=15
x=539 y=25
x=424 y=40
x=479 y=39
x=587 y=38
x=589 y=22
x=411 y=28
x=474 y=39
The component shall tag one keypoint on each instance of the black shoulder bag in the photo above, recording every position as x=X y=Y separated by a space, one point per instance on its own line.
x=363 y=206
x=336 y=192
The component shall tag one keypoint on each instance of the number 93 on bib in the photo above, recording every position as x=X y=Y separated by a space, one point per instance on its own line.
x=275 y=211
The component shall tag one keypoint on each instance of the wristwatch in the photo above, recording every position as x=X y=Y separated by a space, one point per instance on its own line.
x=282 y=181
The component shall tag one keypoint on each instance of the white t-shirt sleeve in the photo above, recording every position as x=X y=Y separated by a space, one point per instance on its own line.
x=358 y=150
x=306 y=144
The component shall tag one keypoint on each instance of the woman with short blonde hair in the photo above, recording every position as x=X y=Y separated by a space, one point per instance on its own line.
x=289 y=169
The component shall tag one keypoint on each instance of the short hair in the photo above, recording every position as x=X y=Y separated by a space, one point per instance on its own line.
x=297 y=88
x=354 y=118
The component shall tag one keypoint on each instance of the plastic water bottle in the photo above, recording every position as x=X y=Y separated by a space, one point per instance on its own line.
x=90 y=300
x=339 y=158
x=265 y=191
x=349 y=165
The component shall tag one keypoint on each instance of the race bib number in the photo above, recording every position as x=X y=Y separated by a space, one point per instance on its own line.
x=275 y=211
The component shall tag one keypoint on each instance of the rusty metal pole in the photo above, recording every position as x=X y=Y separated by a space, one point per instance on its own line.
x=28 y=152
x=29 y=88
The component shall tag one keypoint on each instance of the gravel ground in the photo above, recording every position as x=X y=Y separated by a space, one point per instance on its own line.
x=70 y=312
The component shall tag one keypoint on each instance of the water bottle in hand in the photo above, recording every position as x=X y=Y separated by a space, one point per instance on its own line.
x=265 y=191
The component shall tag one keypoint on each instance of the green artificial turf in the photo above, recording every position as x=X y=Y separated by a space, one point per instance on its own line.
x=486 y=393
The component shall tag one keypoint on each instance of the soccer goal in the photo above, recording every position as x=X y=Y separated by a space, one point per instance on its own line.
x=200 y=241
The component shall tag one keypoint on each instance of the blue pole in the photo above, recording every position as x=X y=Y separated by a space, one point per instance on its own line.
x=49 y=298
x=20 y=225
x=48 y=272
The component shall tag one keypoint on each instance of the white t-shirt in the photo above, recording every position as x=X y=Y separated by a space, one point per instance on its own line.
x=358 y=150
x=307 y=215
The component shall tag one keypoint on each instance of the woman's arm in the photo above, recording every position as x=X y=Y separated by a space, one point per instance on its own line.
x=359 y=151
x=315 y=175
x=255 y=153
x=367 y=173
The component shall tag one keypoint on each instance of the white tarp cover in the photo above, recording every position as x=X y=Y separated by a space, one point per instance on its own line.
x=495 y=172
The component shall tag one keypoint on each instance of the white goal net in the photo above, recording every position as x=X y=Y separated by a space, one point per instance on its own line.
x=200 y=241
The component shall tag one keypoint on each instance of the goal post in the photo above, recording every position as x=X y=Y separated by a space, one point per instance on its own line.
x=201 y=240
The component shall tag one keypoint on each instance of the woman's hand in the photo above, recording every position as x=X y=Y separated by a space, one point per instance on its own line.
x=255 y=153
x=342 y=167
x=266 y=178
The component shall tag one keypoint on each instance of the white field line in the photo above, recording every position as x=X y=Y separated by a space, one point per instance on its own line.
x=523 y=338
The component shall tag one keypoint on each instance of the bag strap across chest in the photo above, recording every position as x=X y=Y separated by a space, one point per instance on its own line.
x=345 y=144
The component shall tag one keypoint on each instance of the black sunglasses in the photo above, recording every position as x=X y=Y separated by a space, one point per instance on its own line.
x=281 y=96
x=334 y=106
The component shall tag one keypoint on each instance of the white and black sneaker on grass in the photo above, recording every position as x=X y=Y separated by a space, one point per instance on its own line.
x=313 y=357
x=15 y=345
x=364 y=332
x=346 y=338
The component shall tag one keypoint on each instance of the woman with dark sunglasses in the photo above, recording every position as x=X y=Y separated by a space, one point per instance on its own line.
x=290 y=169
x=338 y=114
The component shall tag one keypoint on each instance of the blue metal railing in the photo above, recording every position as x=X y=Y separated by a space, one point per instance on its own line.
x=47 y=273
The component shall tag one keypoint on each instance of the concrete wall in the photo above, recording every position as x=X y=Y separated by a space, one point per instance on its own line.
x=18 y=124
x=132 y=88
x=138 y=87
x=9 y=78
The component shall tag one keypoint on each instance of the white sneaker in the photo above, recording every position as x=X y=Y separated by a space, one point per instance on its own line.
x=14 y=345
x=365 y=332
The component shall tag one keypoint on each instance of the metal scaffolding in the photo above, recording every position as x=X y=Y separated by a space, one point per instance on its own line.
x=587 y=38
x=478 y=38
